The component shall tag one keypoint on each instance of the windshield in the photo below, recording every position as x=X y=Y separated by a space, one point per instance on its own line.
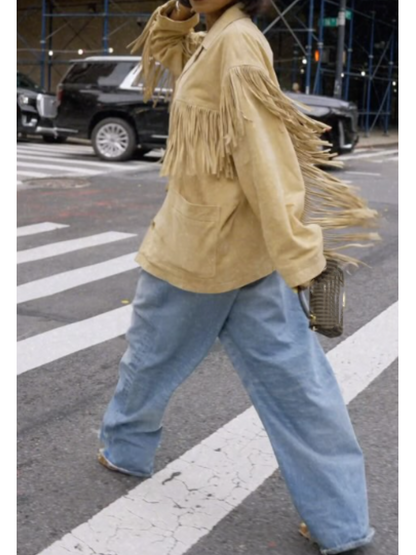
x=100 y=74
x=24 y=82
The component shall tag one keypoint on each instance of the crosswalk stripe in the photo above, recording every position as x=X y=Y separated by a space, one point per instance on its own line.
x=367 y=155
x=63 y=247
x=78 y=161
x=31 y=174
x=169 y=513
x=70 y=339
x=365 y=173
x=58 y=167
x=64 y=151
x=56 y=147
x=74 y=278
x=38 y=228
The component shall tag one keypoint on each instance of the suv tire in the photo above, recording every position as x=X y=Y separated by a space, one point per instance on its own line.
x=114 y=140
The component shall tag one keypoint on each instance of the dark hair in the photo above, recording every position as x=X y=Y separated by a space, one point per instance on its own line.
x=254 y=7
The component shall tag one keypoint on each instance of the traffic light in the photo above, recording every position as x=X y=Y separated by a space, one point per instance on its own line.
x=322 y=55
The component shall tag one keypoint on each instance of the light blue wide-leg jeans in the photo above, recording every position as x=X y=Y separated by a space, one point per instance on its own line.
x=284 y=370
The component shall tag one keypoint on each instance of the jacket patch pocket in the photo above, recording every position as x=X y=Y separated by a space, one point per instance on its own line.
x=184 y=236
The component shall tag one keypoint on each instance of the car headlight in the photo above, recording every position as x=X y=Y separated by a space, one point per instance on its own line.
x=24 y=100
x=319 y=112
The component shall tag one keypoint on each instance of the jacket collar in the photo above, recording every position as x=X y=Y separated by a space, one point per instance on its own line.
x=232 y=14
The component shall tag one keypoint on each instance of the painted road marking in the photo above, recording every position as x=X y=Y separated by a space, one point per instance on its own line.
x=169 y=513
x=57 y=167
x=367 y=155
x=74 y=278
x=66 y=340
x=364 y=173
x=31 y=174
x=63 y=160
x=38 y=228
x=57 y=148
x=54 y=249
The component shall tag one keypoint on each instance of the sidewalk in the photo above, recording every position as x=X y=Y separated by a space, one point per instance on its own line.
x=377 y=138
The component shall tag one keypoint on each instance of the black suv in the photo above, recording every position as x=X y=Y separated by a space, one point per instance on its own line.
x=35 y=111
x=97 y=101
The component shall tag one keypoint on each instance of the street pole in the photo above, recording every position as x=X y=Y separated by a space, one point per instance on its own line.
x=309 y=48
x=317 y=84
x=340 y=49
x=349 y=58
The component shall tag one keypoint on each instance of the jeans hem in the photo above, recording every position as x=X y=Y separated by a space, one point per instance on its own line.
x=112 y=466
x=349 y=546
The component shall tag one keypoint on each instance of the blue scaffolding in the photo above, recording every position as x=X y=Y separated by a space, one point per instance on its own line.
x=304 y=20
x=378 y=81
x=51 y=11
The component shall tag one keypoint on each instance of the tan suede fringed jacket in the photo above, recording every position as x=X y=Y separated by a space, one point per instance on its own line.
x=245 y=195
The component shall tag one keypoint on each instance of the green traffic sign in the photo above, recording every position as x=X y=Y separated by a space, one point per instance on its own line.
x=333 y=21
x=330 y=22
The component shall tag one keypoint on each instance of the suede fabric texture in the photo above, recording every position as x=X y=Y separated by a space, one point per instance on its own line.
x=246 y=193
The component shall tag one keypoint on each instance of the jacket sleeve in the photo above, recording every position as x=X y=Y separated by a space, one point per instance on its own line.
x=165 y=44
x=268 y=170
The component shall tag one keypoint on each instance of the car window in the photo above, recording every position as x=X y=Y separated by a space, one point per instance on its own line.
x=129 y=83
x=24 y=82
x=102 y=74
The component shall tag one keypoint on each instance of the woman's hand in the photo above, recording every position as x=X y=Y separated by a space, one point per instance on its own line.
x=181 y=11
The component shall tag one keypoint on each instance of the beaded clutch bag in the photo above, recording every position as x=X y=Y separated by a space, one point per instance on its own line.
x=326 y=303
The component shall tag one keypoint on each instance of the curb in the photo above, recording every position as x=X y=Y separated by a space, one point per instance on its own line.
x=377 y=145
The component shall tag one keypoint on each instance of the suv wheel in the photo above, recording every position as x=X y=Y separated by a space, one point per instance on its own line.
x=114 y=139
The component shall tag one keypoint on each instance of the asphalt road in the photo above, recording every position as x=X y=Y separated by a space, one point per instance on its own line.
x=61 y=401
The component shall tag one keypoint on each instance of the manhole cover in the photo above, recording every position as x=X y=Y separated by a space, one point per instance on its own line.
x=58 y=183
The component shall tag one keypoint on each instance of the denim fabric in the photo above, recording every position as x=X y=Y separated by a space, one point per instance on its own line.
x=286 y=374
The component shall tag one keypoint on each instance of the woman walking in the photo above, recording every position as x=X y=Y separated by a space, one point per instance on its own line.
x=249 y=216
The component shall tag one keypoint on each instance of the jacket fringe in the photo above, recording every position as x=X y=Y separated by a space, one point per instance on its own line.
x=158 y=83
x=330 y=203
x=195 y=145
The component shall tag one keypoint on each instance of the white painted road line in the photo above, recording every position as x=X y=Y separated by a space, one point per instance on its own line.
x=56 y=167
x=365 y=173
x=31 y=174
x=57 y=148
x=38 y=228
x=367 y=155
x=63 y=247
x=169 y=513
x=74 y=278
x=62 y=161
x=66 y=340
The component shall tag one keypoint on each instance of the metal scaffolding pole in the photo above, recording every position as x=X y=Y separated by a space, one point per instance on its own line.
x=390 y=85
x=340 y=49
x=50 y=46
x=318 y=75
x=43 y=44
x=295 y=63
x=370 y=75
x=106 y=26
x=309 y=48
x=350 y=50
